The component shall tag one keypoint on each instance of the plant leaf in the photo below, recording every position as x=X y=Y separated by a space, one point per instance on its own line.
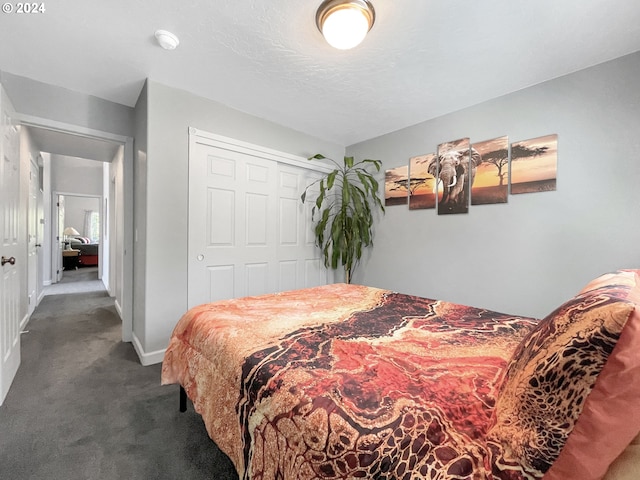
x=348 y=162
x=331 y=178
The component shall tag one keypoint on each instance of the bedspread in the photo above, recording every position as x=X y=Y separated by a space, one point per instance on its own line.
x=346 y=381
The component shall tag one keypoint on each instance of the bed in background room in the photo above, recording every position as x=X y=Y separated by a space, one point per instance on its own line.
x=88 y=251
x=347 y=381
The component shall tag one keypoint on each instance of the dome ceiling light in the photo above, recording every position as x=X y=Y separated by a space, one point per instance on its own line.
x=167 y=40
x=345 y=23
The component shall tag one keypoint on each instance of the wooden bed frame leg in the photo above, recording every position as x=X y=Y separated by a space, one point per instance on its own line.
x=183 y=399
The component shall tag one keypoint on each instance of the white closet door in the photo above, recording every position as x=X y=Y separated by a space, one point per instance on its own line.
x=299 y=262
x=248 y=231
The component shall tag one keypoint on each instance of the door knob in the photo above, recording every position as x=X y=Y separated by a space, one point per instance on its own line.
x=10 y=260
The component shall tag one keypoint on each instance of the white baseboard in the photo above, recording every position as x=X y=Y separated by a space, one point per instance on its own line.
x=118 y=308
x=24 y=321
x=147 y=359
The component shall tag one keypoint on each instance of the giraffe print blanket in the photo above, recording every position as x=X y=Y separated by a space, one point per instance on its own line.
x=347 y=382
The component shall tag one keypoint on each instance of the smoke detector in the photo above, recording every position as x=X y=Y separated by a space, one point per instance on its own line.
x=166 y=39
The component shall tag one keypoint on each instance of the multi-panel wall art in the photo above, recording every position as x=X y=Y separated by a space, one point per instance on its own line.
x=422 y=184
x=461 y=173
x=491 y=184
x=396 y=184
x=534 y=165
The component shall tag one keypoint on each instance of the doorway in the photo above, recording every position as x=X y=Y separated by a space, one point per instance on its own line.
x=80 y=259
x=115 y=155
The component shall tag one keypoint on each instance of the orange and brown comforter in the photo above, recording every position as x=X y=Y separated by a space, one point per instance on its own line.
x=346 y=381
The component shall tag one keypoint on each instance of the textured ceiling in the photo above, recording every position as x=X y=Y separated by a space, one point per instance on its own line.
x=422 y=59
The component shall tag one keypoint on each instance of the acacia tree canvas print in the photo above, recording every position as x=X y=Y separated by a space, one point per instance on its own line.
x=534 y=165
x=452 y=169
x=421 y=183
x=396 y=186
x=491 y=184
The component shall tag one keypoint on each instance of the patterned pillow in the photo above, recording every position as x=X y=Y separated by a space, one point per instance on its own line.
x=554 y=371
x=80 y=240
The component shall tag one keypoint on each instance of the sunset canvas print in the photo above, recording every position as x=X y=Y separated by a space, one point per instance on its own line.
x=421 y=183
x=396 y=186
x=453 y=163
x=491 y=184
x=534 y=165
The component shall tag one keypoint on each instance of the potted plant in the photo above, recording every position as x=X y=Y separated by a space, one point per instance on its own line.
x=344 y=207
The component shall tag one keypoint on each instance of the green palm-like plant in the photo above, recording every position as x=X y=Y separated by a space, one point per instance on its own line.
x=344 y=207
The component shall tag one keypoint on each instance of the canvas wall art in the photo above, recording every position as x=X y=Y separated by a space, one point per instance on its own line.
x=396 y=186
x=534 y=165
x=491 y=183
x=422 y=184
x=451 y=169
x=461 y=174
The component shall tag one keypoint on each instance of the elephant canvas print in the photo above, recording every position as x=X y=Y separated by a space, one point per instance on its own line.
x=454 y=171
x=396 y=186
x=534 y=165
x=422 y=192
x=491 y=184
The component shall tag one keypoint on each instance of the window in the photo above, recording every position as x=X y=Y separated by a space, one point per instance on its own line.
x=92 y=225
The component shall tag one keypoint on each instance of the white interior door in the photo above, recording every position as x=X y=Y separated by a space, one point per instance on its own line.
x=9 y=248
x=58 y=244
x=248 y=231
x=32 y=238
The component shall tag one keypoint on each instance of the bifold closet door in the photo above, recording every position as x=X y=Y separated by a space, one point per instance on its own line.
x=299 y=261
x=249 y=234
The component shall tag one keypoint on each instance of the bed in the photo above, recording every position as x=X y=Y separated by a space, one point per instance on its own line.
x=348 y=381
x=88 y=251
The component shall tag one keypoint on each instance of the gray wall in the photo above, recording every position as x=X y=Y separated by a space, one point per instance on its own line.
x=76 y=175
x=528 y=256
x=38 y=99
x=75 y=208
x=170 y=113
x=118 y=241
x=140 y=214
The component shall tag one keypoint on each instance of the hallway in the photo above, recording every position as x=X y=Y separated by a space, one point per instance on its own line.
x=82 y=407
x=81 y=280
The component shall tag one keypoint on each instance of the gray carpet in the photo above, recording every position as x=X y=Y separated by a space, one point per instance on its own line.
x=82 y=406
x=84 y=279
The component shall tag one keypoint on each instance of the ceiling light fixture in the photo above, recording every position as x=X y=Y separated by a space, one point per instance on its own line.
x=345 y=23
x=167 y=40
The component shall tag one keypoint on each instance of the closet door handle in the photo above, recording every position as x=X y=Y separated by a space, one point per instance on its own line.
x=10 y=260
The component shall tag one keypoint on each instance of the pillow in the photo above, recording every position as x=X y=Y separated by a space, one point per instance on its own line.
x=80 y=240
x=565 y=374
x=611 y=415
x=621 y=277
